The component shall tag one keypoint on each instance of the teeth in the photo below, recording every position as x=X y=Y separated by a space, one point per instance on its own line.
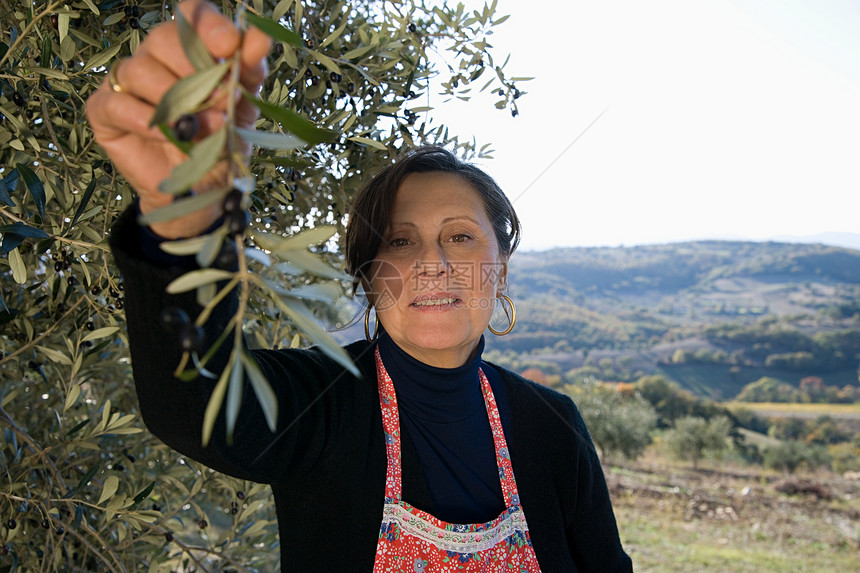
x=434 y=302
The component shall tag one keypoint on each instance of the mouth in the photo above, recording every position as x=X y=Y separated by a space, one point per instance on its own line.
x=435 y=301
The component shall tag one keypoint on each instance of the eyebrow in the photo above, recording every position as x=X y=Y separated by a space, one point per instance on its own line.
x=445 y=221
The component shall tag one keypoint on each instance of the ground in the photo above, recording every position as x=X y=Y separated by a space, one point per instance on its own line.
x=734 y=519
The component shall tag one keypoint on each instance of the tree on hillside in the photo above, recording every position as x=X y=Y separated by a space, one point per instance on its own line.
x=82 y=486
x=767 y=389
x=669 y=400
x=619 y=423
x=692 y=438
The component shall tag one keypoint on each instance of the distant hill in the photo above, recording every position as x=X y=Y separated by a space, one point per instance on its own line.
x=846 y=240
x=644 y=303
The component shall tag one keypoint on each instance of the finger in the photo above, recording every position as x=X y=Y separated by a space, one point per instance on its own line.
x=113 y=115
x=255 y=47
x=218 y=33
x=144 y=77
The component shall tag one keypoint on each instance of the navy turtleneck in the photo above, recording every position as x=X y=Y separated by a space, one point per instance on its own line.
x=444 y=426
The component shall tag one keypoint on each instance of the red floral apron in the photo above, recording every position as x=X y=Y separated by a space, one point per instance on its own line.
x=413 y=541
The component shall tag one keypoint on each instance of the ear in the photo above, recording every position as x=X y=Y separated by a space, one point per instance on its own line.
x=502 y=282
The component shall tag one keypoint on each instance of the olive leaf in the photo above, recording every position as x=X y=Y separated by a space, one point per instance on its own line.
x=210 y=248
x=368 y=141
x=194 y=48
x=196 y=278
x=299 y=241
x=275 y=30
x=215 y=401
x=201 y=160
x=102 y=58
x=263 y=390
x=320 y=292
x=282 y=141
x=19 y=270
x=307 y=323
x=100 y=333
x=181 y=207
x=292 y=122
x=109 y=488
x=34 y=186
x=184 y=246
x=234 y=395
x=187 y=94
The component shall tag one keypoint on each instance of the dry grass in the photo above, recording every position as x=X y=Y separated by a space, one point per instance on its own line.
x=734 y=519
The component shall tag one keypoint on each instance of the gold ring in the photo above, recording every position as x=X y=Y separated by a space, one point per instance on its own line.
x=113 y=81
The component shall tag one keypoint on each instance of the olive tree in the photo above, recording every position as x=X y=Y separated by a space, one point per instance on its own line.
x=619 y=423
x=83 y=486
x=694 y=437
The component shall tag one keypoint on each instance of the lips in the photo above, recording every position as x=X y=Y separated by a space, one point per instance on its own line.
x=438 y=300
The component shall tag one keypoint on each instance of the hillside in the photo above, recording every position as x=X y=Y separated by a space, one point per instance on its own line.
x=744 y=309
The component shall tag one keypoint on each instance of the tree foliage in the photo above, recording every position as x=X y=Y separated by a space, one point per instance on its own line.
x=693 y=437
x=82 y=485
x=619 y=423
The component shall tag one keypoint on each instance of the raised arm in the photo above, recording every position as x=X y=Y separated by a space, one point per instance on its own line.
x=121 y=109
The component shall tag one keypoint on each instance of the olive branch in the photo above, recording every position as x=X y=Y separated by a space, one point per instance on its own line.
x=226 y=262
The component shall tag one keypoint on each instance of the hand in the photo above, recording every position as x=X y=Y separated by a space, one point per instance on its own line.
x=120 y=120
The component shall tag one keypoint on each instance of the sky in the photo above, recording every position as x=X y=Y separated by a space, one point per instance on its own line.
x=669 y=120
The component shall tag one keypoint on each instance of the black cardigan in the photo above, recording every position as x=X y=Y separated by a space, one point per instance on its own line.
x=326 y=461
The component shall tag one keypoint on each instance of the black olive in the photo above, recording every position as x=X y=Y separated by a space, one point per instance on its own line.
x=168 y=537
x=203 y=524
x=237 y=222
x=107 y=167
x=191 y=338
x=227 y=258
x=134 y=23
x=91 y=325
x=18 y=99
x=11 y=523
x=335 y=77
x=232 y=201
x=173 y=318
x=240 y=494
x=412 y=27
x=186 y=127
x=95 y=290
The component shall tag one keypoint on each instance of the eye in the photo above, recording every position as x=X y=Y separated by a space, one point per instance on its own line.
x=398 y=242
x=460 y=237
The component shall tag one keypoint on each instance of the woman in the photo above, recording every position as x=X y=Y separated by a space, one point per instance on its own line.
x=433 y=460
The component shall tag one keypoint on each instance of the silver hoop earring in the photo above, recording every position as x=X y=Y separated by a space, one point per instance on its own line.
x=513 y=318
x=367 y=326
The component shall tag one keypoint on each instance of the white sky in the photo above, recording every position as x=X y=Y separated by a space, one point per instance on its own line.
x=723 y=119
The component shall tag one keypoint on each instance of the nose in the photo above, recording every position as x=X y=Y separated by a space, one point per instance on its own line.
x=432 y=261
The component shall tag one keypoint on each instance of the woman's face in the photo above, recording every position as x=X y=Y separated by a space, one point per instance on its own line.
x=438 y=271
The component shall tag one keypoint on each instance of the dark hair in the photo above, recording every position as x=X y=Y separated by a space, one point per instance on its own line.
x=371 y=210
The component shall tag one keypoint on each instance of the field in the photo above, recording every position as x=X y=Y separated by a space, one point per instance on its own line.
x=735 y=519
